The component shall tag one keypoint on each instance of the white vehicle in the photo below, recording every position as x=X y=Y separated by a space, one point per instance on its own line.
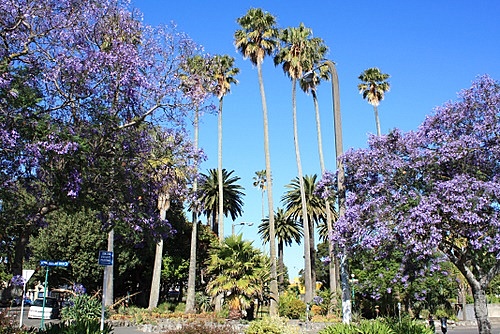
x=51 y=310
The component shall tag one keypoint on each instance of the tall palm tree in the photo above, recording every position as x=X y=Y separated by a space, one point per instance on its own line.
x=259 y=180
x=236 y=269
x=373 y=86
x=309 y=84
x=209 y=198
x=195 y=78
x=315 y=209
x=257 y=39
x=223 y=74
x=287 y=231
x=295 y=55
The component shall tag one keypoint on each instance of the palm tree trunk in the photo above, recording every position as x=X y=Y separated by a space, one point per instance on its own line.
x=332 y=273
x=305 y=222
x=377 y=121
x=281 y=265
x=219 y=174
x=273 y=307
x=191 y=289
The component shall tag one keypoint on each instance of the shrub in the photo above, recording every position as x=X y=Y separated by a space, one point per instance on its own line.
x=364 y=327
x=408 y=326
x=270 y=326
x=202 y=328
x=291 y=306
x=76 y=327
x=83 y=307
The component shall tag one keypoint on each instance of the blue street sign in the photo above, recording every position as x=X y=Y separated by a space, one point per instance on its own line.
x=105 y=258
x=45 y=263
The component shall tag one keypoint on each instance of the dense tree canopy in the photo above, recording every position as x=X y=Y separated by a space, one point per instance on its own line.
x=434 y=190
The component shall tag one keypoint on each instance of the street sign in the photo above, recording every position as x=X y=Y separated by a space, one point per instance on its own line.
x=105 y=258
x=45 y=263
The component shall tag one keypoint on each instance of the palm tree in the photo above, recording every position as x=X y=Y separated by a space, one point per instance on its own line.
x=196 y=78
x=236 y=269
x=259 y=180
x=315 y=209
x=223 y=74
x=209 y=198
x=257 y=39
x=309 y=84
x=296 y=56
x=373 y=86
x=287 y=231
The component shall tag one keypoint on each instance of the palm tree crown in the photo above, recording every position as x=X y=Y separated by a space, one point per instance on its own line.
x=257 y=38
x=233 y=194
x=373 y=86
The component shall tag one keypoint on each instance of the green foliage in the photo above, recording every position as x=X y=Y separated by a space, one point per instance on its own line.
x=408 y=326
x=202 y=328
x=77 y=327
x=83 y=308
x=291 y=306
x=379 y=326
x=269 y=325
x=364 y=327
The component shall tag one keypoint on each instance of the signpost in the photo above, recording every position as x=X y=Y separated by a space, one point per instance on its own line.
x=47 y=264
x=26 y=277
x=105 y=259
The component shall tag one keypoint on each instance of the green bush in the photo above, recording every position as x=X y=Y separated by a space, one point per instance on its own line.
x=202 y=328
x=268 y=325
x=77 y=327
x=364 y=327
x=83 y=307
x=379 y=326
x=408 y=326
x=291 y=306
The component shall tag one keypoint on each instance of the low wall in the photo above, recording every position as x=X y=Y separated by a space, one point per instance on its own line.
x=493 y=312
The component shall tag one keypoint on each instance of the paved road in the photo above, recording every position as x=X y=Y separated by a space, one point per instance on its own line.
x=15 y=313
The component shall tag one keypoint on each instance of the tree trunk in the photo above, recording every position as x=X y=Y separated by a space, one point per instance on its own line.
x=305 y=222
x=154 y=296
x=219 y=174
x=281 y=266
x=377 y=121
x=191 y=289
x=273 y=307
x=332 y=273
x=481 y=309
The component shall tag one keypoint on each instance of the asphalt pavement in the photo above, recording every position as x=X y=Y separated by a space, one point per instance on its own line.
x=462 y=328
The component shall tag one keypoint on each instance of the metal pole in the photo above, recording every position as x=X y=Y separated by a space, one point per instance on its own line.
x=44 y=296
x=103 y=306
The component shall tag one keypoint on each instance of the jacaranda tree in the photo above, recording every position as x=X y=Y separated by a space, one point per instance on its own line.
x=434 y=190
x=77 y=82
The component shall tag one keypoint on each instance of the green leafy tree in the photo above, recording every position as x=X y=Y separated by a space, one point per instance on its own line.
x=257 y=39
x=373 y=86
x=237 y=269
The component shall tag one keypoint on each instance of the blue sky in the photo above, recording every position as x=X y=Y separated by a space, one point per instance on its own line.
x=432 y=50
